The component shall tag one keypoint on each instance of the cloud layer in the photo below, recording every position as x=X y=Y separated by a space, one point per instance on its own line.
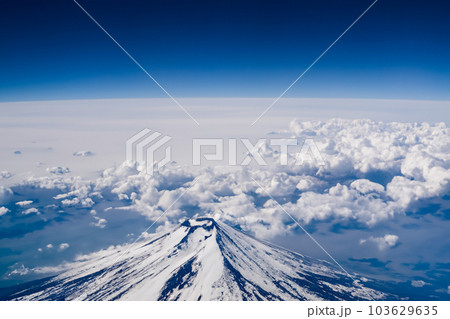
x=372 y=171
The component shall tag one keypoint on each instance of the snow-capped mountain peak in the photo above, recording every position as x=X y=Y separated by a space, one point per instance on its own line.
x=201 y=259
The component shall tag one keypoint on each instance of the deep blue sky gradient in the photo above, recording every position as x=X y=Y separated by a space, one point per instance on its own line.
x=52 y=50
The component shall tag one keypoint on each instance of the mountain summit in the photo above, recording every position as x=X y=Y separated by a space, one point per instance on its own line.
x=201 y=259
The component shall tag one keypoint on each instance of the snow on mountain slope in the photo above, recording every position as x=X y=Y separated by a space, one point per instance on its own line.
x=199 y=260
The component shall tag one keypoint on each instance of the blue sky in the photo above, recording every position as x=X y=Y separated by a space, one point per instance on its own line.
x=52 y=50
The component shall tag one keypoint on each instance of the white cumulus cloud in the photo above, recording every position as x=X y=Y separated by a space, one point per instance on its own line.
x=58 y=170
x=5 y=175
x=387 y=241
x=418 y=283
x=4 y=210
x=24 y=203
x=32 y=210
x=63 y=246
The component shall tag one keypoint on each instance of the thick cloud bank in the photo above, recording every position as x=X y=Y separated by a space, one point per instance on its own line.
x=372 y=171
